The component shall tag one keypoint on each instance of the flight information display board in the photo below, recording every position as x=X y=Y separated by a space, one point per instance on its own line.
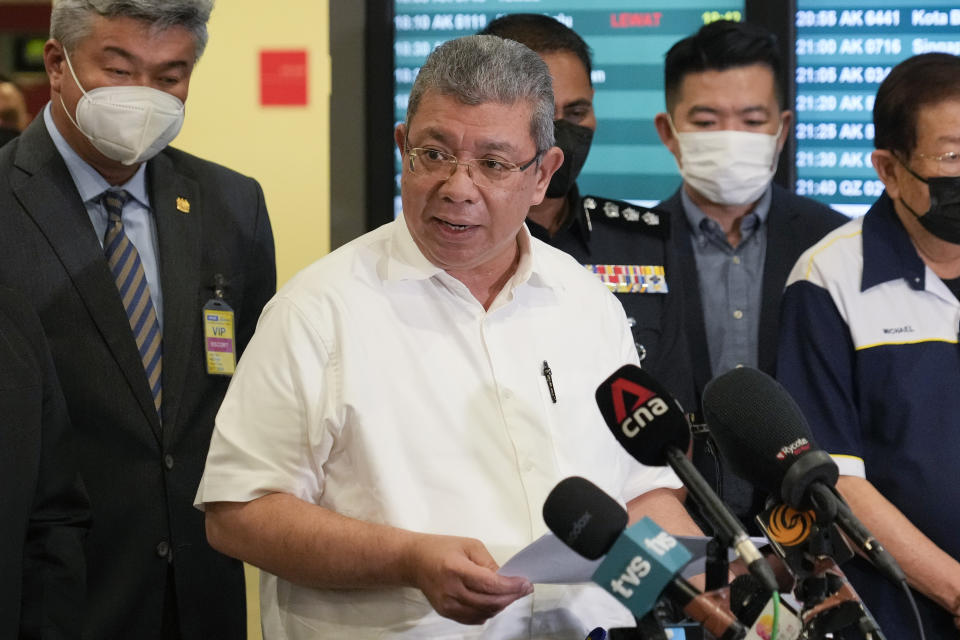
x=844 y=50
x=628 y=38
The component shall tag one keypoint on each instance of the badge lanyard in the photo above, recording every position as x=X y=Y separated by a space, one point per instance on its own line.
x=218 y=332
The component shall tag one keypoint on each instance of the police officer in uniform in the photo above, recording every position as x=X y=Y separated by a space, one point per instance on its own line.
x=625 y=245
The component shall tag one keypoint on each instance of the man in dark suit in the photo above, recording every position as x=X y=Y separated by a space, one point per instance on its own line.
x=736 y=234
x=134 y=254
x=45 y=511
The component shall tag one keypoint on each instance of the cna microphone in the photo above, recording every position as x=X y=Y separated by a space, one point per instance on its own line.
x=651 y=426
x=640 y=563
x=765 y=439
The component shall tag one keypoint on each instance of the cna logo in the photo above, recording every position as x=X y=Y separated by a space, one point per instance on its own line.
x=646 y=406
x=620 y=388
x=796 y=447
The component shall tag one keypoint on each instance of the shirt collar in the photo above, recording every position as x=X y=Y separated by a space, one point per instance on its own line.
x=406 y=262
x=576 y=224
x=888 y=253
x=695 y=215
x=89 y=183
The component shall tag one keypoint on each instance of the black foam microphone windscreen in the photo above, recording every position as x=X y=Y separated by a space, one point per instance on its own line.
x=765 y=438
x=584 y=517
x=757 y=425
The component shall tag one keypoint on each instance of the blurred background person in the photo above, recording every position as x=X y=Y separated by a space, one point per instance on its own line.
x=13 y=110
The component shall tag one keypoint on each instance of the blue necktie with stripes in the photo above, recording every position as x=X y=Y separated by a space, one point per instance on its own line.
x=128 y=272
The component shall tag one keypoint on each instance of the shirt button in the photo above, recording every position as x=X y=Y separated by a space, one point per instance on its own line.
x=641 y=351
x=738 y=314
x=507 y=395
x=736 y=259
x=168 y=461
x=163 y=549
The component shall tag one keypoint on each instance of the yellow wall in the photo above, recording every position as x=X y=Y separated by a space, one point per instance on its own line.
x=285 y=148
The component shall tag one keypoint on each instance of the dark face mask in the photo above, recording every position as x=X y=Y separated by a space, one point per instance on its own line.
x=942 y=219
x=574 y=141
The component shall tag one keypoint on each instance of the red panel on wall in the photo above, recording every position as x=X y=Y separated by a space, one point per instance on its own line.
x=26 y=18
x=283 y=78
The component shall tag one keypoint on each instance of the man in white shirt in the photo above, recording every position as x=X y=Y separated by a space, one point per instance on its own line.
x=410 y=400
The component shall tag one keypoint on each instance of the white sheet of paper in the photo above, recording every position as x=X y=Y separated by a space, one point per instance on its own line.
x=547 y=560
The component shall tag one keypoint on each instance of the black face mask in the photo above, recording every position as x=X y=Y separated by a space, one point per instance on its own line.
x=574 y=141
x=942 y=219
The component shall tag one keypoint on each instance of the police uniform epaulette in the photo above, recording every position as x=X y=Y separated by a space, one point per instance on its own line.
x=597 y=210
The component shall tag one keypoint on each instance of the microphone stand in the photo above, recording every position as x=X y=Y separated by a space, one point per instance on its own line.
x=717 y=564
x=832 y=606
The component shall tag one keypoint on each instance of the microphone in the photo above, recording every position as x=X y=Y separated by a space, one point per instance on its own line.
x=641 y=562
x=653 y=429
x=765 y=439
x=812 y=552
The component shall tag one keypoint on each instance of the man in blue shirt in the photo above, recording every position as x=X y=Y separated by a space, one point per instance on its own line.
x=869 y=348
x=735 y=233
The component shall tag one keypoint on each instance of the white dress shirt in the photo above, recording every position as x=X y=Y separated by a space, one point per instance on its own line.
x=378 y=387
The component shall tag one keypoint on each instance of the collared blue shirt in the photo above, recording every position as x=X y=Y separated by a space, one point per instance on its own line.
x=869 y=350
x=138 y=220
x=731 y=280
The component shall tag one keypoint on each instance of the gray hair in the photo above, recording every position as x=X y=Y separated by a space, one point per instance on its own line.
x=480 y=69
x=72 y=20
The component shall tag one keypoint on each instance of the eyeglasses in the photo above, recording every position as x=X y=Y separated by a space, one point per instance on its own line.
x=949 y=162
x=484 y=172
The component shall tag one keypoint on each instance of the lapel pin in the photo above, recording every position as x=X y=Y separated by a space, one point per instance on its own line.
x=183 y=205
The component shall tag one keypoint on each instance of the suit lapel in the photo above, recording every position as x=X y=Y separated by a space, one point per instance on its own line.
x=782 y=234
x=178 y=235
x=48 y=195
x=690 y=290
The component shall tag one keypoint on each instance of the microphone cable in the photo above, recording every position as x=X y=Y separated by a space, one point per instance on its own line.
x=916 y=610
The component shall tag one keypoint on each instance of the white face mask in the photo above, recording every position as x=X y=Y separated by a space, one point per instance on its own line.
x=728 y=167
x=129 y=124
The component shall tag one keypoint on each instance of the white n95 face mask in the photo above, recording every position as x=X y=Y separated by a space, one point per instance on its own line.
x=728 y=167
x=129 y=124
